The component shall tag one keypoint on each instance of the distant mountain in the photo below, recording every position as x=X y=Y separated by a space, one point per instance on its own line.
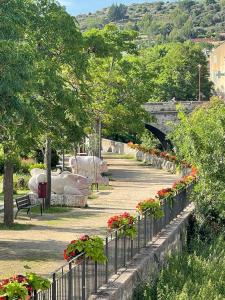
x=164 y=21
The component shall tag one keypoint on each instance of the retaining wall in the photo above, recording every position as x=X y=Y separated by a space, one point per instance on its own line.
x=149 y=261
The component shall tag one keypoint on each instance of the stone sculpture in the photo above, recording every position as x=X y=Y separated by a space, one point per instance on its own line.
x=67 y=189
x=91 y=167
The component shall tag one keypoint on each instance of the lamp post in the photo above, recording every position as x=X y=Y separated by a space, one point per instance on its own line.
x=199 y=82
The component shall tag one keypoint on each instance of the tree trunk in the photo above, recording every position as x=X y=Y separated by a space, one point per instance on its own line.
x=63 y=159
x=98 y=130
x=48 y=171
x=8 y=193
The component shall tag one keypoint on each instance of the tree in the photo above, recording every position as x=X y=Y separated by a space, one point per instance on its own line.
x=61 y=64
x=199 y=139
x=174 y=69
x=116 y=81
x=18 y=126
x=117 y=12
x=42 y=73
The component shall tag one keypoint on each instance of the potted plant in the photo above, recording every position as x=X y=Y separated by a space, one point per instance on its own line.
x=92 y=247
x=166 y=194
x=152 y=207
x=125 y=223
x=21 y=287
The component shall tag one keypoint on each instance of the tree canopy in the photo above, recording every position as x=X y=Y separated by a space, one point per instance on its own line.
x=199 y=139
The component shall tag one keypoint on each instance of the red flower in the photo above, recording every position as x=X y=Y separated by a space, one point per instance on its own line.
x=84 y=238
x=164 y=192
x=66 y=257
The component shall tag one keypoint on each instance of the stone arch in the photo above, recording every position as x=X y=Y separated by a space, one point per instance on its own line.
x=161 y=136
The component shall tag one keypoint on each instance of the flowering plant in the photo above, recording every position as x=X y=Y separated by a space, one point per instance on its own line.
x=179 y=184
x=163 y=193
x=92 y=247
x=125 y=223
x=152 y=206
x=21 y=287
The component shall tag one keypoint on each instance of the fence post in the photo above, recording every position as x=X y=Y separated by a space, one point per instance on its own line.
x=139 y=220
x=107 y=257
x=116 y=251
x=70 y=282
x=84 y=279
x=145 y=229
x=53 y=286
x=96 y=276
x=132 y=248
x=124 y=251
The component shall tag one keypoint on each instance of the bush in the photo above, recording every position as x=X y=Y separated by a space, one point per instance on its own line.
x=196 y=275
x=38 y=166
x=20 y=181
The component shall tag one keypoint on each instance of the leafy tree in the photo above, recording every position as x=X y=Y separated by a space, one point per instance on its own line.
x=174 y=69
x=61 y=65
x=42 y=75
x=117 y=12
x=116 y=81
x=17 y=67
x=199 y=139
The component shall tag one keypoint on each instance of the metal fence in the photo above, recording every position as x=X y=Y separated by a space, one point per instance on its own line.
x=81 y=277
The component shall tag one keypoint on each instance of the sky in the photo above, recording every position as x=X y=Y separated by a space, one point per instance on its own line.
x=76 y=7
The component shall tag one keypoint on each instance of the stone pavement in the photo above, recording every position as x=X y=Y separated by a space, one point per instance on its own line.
x=41 y=246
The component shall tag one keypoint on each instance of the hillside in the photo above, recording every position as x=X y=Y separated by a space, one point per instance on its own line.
x=164 y=21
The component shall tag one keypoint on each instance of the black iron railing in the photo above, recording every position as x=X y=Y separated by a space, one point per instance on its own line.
x=81 y=277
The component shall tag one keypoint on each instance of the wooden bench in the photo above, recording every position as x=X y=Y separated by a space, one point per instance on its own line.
x=25 y=203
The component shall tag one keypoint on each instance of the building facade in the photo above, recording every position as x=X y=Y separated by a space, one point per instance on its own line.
x=217 y=69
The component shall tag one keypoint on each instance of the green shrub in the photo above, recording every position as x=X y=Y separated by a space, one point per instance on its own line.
x=38 y=165
x=197 y=275
x=20 y=181
x=25 y=165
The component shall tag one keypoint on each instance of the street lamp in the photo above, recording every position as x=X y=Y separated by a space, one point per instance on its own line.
x=199 y=82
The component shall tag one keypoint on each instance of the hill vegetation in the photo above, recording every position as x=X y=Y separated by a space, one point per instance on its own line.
x=164 y=21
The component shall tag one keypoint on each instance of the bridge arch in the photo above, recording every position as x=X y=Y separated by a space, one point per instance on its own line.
x=161 y=136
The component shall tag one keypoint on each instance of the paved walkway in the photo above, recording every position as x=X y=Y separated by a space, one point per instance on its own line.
x=41 y=246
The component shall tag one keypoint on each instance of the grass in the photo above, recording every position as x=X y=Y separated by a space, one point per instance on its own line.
x=92 y=196
x=52 y=210
x=119 y=156
x=198 y=274
x=15 y=226
x=103 y=187
x=18 y=194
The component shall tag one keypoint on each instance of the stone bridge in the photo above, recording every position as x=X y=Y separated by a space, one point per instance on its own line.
x=165 y=113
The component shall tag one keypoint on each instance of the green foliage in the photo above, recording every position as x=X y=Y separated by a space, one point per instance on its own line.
x=160 y=22
x=199 y=139
x=39 y=166
x=117 y=12
x=37 y=282
x=92 y=247
x=148 y=140
x=196 y=275
x=117 y=81
x=16 y=290
x=152 y=207
x=173 y=72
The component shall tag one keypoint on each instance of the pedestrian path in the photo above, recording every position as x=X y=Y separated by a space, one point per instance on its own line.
x=41 y=245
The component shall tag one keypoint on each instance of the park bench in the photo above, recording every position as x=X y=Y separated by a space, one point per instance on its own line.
x=25 y=203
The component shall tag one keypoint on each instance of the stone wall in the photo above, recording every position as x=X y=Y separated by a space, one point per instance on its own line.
x=160 y=163
x=109 y=146
x=63 y=200
x=151 y=259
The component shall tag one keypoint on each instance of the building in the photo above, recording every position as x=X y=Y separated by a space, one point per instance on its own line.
x=217 y=69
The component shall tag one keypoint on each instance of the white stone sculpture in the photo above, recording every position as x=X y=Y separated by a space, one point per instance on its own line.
x=91 y=167
x=67 y=189
x=64 y=183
